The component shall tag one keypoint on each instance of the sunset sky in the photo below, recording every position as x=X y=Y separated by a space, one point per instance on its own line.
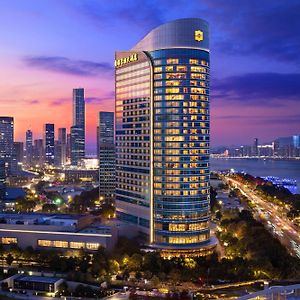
x=49 y=47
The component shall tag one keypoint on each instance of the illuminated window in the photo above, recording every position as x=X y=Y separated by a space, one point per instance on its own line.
x=60 y=244
x=77 y=245
x=175 y=75
x=8 y=240
x=174 y=138
x=198 y=76
x=157 y=192
x=171 y=61
x=169 y=68
x=198 y=91
x=172 y=131
x=187 y=239
x=92 y=246
x=158 y=226
x=44 y=243
x=198 y=69
x=181 y=68
x=173 y=83
x=194 y=61
x=198 y=226
x=172 y=90
x=177 y=227
x=174 y=97
x=172 y=158
x=157 y=69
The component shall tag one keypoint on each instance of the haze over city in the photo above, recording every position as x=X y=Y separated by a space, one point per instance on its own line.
x=50 y=47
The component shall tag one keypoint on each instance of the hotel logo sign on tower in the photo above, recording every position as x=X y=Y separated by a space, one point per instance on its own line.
x=198 y=35
x=125 y=60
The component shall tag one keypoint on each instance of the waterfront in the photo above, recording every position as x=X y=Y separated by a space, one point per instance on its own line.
x=259 y=167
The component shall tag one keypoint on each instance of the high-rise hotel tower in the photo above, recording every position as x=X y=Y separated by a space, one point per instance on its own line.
x=162 y=136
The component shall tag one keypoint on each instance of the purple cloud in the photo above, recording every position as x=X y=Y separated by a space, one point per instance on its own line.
x=34 y=101
x=269 y=29
x=100 y=100
x=59 y=102
x=149 y=15
x=65 y=65
x=277 y=119
x=258 y=88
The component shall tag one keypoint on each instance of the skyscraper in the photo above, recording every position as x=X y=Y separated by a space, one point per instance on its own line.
x=61 y=147
x=162 y=137
x=2 y=179
x=18 y=155
x=296 y=141
x=38 y=152
x=28 y=146
x=106 y=155
x=255 y=147
x=68 y=147
x=7 y=142
x=78 y=128
x=62 y=135
x=49 y=143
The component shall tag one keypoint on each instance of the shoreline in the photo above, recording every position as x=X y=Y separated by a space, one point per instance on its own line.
x=258 y=158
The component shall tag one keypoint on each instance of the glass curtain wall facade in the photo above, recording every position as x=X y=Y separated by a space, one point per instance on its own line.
x=133 y=147
x=29 y=146
x=181 y=146
x=106 y=155
x=162 y=135
x=78 y=128
x=7 y=143
x=49 y=143
x=2 y=179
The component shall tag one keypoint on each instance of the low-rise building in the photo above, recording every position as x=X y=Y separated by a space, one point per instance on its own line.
x=58 y=231
x=80 y=175
x=37 y=283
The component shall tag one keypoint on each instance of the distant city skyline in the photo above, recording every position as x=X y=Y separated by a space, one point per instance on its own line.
x=254 y=77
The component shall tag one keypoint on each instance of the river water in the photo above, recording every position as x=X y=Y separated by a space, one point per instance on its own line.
x=259 y=167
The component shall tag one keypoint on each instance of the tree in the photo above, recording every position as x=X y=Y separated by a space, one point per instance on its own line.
x=4 y=286
x=214 y=205
x=174 y=275
x=147 y=275
x=138 y=275
x=162 y=276
x=24 y=205
x=49 y=207
x=84 y=263
x=63 y=288
x=9 y=259
x=155 y=281
x=114 y=266
x=135 y=262
x=29 y=253
x=125 y=246
x=40 y=186
x=218 y=215
x=152 y=262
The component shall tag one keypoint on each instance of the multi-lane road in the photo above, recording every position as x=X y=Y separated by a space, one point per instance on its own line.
x=272 y=217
